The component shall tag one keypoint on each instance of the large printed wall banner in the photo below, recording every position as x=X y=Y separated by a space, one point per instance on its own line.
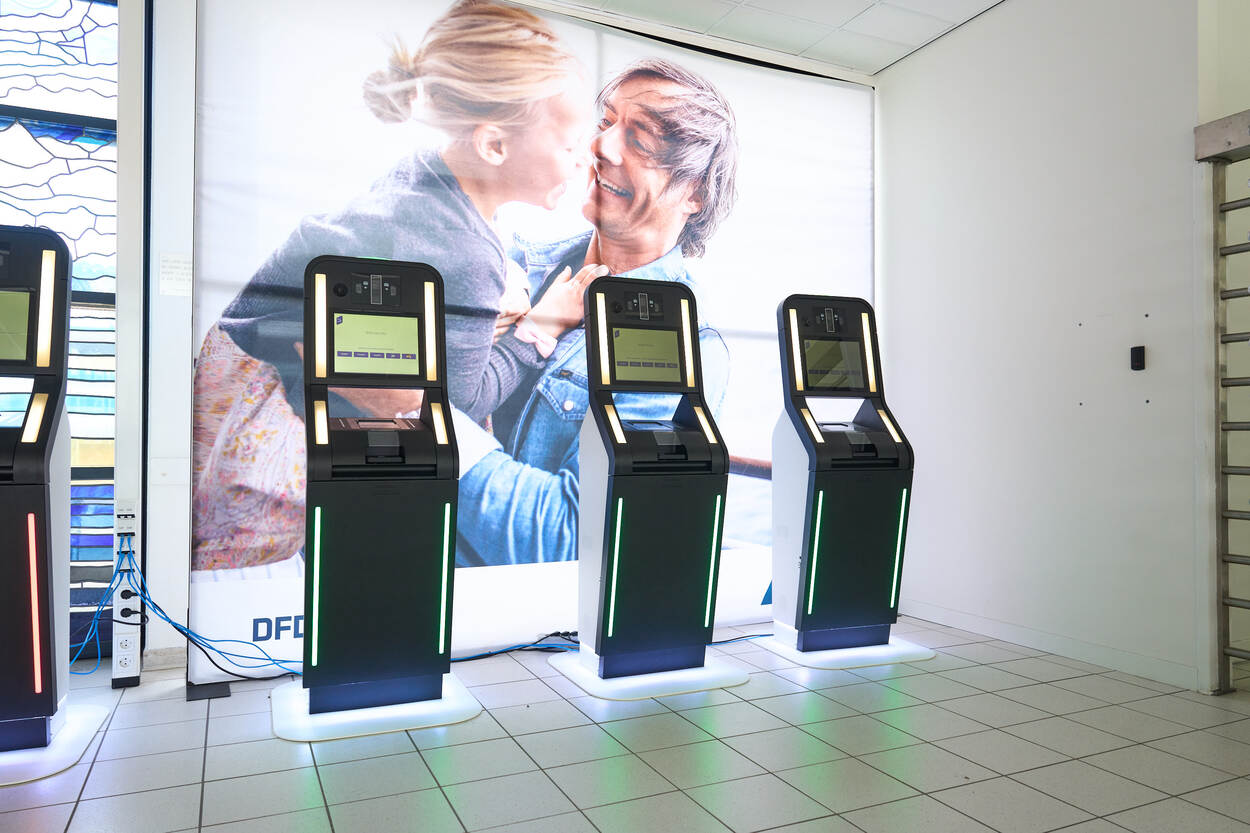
x=522 y=154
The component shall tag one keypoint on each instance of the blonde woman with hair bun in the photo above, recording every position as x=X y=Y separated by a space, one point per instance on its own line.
x=514 y=108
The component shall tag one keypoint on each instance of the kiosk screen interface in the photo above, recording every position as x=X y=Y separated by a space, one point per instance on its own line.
x=366 y=343
x=14 y=324
x=645 y=355
x=833 y=365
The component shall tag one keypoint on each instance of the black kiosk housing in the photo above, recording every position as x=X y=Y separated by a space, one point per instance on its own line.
x=840 y=488
x=652 y=492
x=381 y=499
x=34 y=484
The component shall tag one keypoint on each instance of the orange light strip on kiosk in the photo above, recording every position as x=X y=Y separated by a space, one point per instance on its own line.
x=812 y=426
x=606 y=379
x=34 y=604
x=440 y=427
x=889 y=426
x=707 y=426
x=34 y=417
x=872 y=366
x=615 y=422
x=43 y=341
x=685 y=331
x=431 y=346
x=319 y=327
x=321 y=425
x=794 y=347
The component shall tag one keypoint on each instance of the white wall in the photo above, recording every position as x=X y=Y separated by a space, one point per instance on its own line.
x=1039 y=214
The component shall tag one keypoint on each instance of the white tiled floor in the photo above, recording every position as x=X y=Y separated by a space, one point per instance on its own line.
x=987 y=736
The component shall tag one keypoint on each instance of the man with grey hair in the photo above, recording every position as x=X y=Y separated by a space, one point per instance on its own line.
x=661 y=181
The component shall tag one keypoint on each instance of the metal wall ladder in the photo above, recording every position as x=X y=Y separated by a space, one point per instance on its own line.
x=1223 y=143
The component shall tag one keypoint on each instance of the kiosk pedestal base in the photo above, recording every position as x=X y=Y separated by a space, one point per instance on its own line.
x=897 y=650
x=65 y=750
x=579 y=666
x=292 y=720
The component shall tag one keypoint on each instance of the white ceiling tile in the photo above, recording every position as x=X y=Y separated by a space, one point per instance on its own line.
x=829 y=12
x=859 y=52
x=694 y=15
x=771 y=31
x=898 y=25
x=956 y=11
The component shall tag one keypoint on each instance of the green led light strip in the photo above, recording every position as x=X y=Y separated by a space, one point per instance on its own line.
x=811 y=583
x=442 y=607
x=898 y=548
x=616 y=551
x=316 y=579
x=711 y=568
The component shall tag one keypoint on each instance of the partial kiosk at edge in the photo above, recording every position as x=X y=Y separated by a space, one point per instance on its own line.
x=842 y=471
x=652 y=485
x=34 y=486
x=380 y=544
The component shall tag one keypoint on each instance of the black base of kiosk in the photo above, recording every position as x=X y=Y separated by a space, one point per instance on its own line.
x=30 y=733
x=832 y=639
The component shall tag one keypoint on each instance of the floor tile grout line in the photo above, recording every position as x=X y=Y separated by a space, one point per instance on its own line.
x=325 y=802
x=208 y=712
x=1203 y=807
x=102 y=732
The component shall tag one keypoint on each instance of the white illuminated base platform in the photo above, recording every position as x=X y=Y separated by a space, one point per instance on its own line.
x=68 y=744
x=580 y=667
x=897 y=650
x=292 y=721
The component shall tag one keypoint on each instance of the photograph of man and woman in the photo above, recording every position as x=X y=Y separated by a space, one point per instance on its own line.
x=546 y=152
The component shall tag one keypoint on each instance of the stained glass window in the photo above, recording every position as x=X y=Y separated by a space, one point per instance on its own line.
x=59 y=55
x=64 y=178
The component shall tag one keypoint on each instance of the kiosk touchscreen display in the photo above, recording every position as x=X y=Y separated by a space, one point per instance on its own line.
x=645 y=355
x=14 y=324
x=380 y=344
x=833 y=364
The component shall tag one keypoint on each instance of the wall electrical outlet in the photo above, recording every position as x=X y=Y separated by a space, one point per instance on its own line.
x=127 y=606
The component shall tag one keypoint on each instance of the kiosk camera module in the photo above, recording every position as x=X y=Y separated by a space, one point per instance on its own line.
x=381 y=503
x=652 y=490
x=34 y=485
x=842 y=473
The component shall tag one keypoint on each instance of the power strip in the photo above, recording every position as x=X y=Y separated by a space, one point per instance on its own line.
x=127 y=607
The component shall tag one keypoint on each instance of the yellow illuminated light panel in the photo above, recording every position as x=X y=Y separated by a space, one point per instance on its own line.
x=794 y=347
x=707 y=426
x=431 y=346
x=889 y=426
x=872 y=366
x=811 y=425
x=603 y=339
x=321 y=425
x=43 y=341
x=615 y=422
x=440 y=427
x=685 y=331
x=319 y=325
x=34 y=417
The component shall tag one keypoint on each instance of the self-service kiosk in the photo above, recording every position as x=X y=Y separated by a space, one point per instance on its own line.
x=841 y=481
x=381 y=499
x=652 y=490
x=34 y=485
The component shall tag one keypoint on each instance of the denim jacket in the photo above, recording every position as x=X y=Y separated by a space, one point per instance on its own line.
x=518 y=505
